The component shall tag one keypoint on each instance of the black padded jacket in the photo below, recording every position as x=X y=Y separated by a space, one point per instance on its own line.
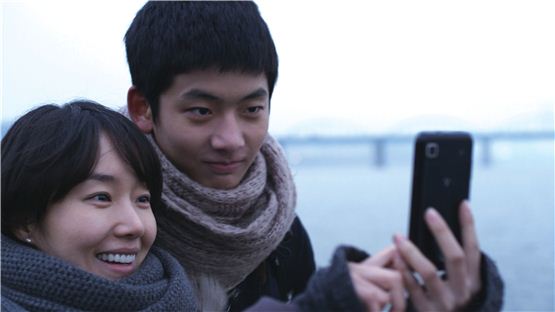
x=283 y=275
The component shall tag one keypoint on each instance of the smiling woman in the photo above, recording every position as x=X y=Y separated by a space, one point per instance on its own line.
x=80 y=186
x=104 y=225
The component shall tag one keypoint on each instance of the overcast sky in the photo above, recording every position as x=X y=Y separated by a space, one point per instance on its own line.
x=376 y=66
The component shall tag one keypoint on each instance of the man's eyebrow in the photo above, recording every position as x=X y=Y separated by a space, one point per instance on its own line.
x=196 y=94
x=256 y=94
x=102 y=177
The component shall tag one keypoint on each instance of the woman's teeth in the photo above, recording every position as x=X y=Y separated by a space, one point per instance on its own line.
x=117 y=258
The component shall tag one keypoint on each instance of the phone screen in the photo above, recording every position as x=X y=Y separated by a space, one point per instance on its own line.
x=441 y=179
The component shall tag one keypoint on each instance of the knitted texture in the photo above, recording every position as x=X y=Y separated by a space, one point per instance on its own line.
x=35 y=281
x=331 y=288
x=226 y=234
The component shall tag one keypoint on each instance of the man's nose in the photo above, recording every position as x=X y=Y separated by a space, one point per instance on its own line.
x=228 y=134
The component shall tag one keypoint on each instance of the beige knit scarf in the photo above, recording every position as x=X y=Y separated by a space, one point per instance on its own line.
x=226 y=234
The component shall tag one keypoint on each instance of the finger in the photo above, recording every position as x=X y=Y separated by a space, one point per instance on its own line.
x=371 y=295
x=397 y=294
x=470 y=245
x=417 y=294
x=383 y=277
x=419 y=263
x=382 y=258
x=387 y=279
x=373 y=270
x=455 y=261
x=398 y=297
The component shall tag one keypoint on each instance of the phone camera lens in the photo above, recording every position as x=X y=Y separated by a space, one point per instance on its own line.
x=432 y=150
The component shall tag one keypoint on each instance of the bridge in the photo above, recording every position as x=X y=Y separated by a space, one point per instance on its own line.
x=379 y=143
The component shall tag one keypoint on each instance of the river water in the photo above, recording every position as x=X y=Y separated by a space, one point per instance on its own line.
x=344 y=199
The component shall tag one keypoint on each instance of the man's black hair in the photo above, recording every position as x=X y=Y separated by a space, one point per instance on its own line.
x=168 y=38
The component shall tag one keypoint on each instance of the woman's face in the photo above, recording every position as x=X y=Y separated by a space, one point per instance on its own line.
x=105 y=224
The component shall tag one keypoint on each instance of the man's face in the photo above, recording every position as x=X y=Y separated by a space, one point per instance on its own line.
x=211 y=124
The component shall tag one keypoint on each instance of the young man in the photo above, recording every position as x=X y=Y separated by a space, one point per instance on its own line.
x=203 y=74
x=203 y=90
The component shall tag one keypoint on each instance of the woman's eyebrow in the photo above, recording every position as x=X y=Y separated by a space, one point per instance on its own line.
x=102 y=177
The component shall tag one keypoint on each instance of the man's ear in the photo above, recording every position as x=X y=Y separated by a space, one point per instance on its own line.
x=139 y=110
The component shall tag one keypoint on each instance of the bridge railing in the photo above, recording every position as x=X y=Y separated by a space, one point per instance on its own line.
x=380 y=142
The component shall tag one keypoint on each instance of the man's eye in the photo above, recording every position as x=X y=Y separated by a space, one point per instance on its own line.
x=254 y=109
x=200 y=111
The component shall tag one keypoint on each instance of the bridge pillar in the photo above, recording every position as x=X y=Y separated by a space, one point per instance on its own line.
x=379 y=153
x=486 y=151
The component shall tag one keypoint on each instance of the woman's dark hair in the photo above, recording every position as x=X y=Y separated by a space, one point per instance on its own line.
x=169 y=38
x=51 y=149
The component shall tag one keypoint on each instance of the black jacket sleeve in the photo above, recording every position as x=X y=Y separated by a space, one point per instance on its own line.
x=490 y=297
x=329 y=289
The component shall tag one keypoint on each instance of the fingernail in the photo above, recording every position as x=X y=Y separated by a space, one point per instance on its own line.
x=466 y=204
x=398 y=238
x=466 y=210
x=398 y=262
x=432 y=215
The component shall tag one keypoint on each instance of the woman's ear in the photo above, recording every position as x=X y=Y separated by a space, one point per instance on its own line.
x=24 y=234
x=139 y=110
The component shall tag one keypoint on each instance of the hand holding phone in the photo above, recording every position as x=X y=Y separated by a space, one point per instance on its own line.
x=441 y=179
x=430 y=289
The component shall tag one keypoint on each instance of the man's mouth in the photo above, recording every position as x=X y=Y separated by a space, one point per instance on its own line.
x=225 y=167
x=116 y=258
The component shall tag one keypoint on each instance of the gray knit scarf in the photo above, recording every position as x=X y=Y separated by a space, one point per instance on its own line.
x=35 y=281
x=226 y=234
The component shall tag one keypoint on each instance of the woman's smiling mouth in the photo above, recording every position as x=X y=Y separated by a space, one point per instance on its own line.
x=116 y=258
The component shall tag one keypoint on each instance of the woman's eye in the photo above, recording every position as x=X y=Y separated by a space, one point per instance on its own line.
x=101 y=197
x=145 y=199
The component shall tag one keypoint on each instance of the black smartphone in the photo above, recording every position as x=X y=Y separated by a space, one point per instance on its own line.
x=440 y=179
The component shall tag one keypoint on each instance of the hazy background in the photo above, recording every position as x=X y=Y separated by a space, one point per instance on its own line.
x=345 y=67
x=356 y=68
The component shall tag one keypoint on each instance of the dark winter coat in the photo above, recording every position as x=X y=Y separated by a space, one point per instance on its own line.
x=282 y=276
